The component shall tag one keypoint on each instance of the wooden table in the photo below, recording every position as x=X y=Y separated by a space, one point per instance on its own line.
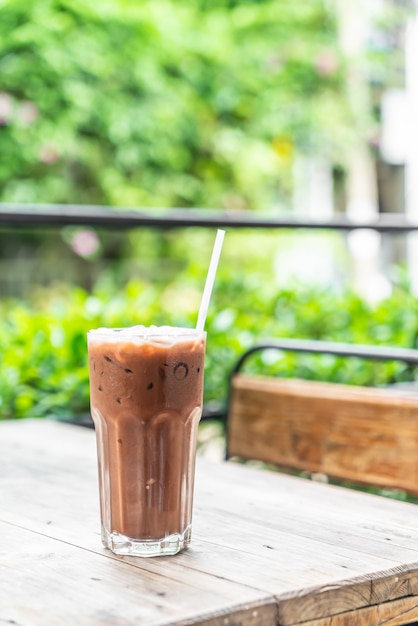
x=267 y=548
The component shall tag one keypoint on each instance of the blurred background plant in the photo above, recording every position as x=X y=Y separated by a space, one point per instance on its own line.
x=163 y=103
x=241 y=105
x=43 y=339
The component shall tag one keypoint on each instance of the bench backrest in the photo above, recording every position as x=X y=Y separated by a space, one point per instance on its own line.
x=359 y=434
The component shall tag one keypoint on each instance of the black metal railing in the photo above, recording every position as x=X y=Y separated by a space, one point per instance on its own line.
x=313 y=346
x=55 y=215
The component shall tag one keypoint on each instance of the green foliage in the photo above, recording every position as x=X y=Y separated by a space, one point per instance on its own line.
x=164 y=103
x=43 y=341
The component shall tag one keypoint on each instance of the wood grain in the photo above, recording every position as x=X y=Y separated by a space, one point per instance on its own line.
x=397 y=613
x=44 y=581
x=267 y=550
x=365 y=435
x=55 y=570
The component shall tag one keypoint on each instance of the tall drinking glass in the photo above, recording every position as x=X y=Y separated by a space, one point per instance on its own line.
x=146 y=389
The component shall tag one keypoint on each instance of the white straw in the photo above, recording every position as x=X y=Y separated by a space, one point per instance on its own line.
x=210 y=279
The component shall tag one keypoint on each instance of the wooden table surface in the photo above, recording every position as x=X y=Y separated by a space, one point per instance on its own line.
x=267 y=549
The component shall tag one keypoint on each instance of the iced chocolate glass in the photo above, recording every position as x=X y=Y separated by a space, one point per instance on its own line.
x=146 y=388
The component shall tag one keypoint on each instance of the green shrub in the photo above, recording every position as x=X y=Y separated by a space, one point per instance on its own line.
x=43 y=341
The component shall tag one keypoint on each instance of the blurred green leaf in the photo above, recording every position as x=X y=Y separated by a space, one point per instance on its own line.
x=164 y=103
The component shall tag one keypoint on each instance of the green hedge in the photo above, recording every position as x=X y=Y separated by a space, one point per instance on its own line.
x=43 y=341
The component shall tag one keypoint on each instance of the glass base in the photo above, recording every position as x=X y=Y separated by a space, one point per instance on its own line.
x=127 y=546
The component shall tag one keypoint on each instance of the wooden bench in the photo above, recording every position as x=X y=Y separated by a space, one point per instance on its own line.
x=350 y=433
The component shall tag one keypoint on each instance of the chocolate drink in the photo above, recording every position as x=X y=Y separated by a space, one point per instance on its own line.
x=146 y=388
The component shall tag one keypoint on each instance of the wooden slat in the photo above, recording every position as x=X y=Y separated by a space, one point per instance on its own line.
x=44 y=581
x=49 y=521
x=352 y=433
x=262 y=541
x=351 y=598
x=397 y=613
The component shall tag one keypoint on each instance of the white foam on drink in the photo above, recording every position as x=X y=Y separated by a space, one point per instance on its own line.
x=158 y=334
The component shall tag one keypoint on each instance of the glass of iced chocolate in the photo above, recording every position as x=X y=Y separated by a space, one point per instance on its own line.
x=146 y=388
